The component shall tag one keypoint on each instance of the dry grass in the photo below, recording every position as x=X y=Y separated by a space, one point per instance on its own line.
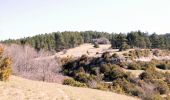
x=84 y=48
x=22 y=89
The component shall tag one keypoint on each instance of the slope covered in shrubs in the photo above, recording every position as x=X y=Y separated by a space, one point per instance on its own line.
x=106 y=73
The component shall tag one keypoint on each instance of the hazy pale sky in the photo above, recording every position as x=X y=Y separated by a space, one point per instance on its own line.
x=19 y=18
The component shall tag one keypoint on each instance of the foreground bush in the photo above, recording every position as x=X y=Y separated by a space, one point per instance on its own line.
x=72 y=82
x=5 y=66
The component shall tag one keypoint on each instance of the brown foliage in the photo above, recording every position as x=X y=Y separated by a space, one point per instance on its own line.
x=5 y=66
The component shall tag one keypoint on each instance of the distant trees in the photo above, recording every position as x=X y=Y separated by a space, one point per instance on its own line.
x=58 y=41
x=138 y=39
x=119 y=41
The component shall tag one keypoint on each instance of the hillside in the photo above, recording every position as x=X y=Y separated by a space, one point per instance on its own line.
x=89 y=50
x=97 y=75
x=22 y=89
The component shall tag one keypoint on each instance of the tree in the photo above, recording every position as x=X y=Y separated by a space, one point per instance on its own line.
x=59 y=41
x=154 y=38
x=124 y=46
x=138 y=39
x=118 y=40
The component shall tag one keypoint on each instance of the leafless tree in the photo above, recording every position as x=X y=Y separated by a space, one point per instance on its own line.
x=29 y=63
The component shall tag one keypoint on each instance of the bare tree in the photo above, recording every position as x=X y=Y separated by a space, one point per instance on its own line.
x=29 y=63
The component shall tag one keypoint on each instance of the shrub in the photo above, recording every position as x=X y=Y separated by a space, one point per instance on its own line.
x=65 y=60
x=105 y=68
x=106 y=56
x=134 y=66
x=102 y=86
x=82 y=77
x=96 y=45
x=72 y=82
x=115 y=55
x=124 y=47
x=161 y=86
x=112 y=72
x=146 y=65
x=127 y=86
x=139 y=53
x=151 y=74
x=5 y=66
x=164 y=66
x=118 y=89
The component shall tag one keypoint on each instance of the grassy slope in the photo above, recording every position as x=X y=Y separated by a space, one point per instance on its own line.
x=82 y=49
x=22 y=89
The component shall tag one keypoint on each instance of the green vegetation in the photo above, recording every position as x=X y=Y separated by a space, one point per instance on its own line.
x=72 y=82
x=57 y=41
x=103 y=73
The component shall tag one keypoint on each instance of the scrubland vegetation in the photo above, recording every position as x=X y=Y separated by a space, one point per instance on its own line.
x=103 y=73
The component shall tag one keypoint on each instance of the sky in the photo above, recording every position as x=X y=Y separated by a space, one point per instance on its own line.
x=22 y=18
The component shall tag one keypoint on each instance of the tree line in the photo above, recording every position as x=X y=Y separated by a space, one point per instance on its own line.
x=57 y=41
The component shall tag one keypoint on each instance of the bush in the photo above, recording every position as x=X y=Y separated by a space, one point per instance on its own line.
x=151 y=74
x=106 y=56
x=139 y=53
x=112 y=72
x=115 y=55
x=5 y=66
x=124 y=47
x=72 y=82
x=82 y=77
x=161 y=86
x=127 y=86
x=102 y=86
x=118 y=89
x=134 y=66
x=96 y=45
x=105 y=68
x=164 y=66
